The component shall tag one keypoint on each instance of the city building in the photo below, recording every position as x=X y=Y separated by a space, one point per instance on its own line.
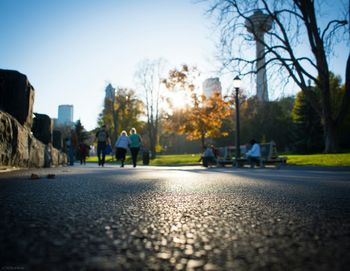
x=65 y=115
x=110 y=92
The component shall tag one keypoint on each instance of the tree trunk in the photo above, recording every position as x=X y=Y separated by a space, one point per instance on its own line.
x=153 y=146
x=155 y=138
x=152 y=140
x=345 y=107
x=203 y=141
x=329 y=127
x=153 y=151
x=330 y=137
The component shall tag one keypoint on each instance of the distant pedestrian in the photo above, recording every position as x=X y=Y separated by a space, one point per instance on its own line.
x=67 y=143
x=122 y=144
x=83 y=152
x=71 y=144
x=102 y=137
x=135 y=145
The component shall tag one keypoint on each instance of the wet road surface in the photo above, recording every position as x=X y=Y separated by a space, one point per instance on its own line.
x=175 y=218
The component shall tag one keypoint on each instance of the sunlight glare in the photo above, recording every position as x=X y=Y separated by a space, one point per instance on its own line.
x=177 y=100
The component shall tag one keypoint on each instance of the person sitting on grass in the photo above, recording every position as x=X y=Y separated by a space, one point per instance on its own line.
x=253 y=155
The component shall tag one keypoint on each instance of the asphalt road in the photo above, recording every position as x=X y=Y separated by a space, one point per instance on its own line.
x=175 y=218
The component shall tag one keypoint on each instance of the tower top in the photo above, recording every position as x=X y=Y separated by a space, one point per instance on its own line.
x=259 y=22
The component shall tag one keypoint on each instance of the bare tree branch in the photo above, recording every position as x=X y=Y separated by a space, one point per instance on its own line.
x=338 y=24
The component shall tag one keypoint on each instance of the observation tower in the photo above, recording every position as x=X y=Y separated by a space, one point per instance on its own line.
x=258 y=24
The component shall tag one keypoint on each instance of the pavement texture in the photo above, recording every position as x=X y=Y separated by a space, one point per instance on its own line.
x=175 y=218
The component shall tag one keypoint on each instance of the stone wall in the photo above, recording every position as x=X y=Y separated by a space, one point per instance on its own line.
x=42 y=128
x=57 y=139
x=19 y=148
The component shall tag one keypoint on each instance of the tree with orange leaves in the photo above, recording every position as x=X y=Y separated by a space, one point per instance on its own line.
x=202 y=118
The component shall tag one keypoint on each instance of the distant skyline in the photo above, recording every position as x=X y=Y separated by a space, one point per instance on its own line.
x=71 y=49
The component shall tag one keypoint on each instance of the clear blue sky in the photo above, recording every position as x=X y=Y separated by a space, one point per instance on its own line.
x=71 y=49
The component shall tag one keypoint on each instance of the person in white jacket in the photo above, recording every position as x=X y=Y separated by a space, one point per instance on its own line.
x=122 y=144
x=253 y=155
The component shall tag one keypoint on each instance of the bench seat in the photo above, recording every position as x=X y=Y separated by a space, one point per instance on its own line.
x=269 y=156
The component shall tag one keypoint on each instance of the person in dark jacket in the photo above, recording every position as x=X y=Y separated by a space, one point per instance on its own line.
x=102 y=138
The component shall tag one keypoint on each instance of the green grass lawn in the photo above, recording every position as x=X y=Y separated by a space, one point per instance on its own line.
x=109 y=159
x=341 y=159
x=176 y=159
x=161 y=160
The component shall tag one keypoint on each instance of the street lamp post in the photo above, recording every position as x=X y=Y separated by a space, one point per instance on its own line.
x=236 y=85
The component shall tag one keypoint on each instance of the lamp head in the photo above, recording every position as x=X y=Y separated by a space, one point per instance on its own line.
x=236 y=82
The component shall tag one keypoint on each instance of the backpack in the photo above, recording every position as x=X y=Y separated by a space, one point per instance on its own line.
x=102 y=136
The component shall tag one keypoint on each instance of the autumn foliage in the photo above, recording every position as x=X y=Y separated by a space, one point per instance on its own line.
x=202 y=118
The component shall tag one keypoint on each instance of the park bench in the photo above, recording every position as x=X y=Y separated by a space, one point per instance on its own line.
x=269 y=156
x=227 y=154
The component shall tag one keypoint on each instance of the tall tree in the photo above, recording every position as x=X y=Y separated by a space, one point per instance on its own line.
x=308 y=128
x=80 y=132
x=128 y=108
x=121 y=112
x=203 y=117
x=293 y=21
x=309 y=124
x=149 y=78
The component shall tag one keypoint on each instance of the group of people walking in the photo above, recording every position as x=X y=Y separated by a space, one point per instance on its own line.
x=122 y=144
x=133 y=142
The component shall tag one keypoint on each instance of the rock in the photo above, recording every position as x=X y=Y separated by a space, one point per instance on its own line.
x=57 y=139
x=58 y=157
x=13 y=142
x=34 y=176
x=42 y=128
x=193 y=264
x=16 y=96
